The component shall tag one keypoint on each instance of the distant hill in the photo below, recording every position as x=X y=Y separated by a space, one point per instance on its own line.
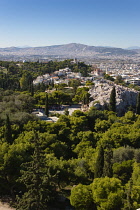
x=67 y=50
x=24 y=46
x=133 y=48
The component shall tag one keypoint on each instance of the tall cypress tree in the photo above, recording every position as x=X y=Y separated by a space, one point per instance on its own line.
x=107 y=170
x=46 y=105
x=8 y=130
x=32 y=89
x=86 y=98
x=112 y=102
x=99 y=165
x=138 y=104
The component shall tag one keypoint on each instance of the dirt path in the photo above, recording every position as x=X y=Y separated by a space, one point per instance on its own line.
x=4 y=206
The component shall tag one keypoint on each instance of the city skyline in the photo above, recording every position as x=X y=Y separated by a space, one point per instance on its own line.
x=55 y=22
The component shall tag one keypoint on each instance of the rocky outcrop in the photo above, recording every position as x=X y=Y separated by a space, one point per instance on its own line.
x=125 y=97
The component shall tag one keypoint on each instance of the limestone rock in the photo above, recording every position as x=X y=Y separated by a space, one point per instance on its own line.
x=125 y=97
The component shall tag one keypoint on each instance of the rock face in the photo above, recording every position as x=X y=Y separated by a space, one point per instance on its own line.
x=125 y=97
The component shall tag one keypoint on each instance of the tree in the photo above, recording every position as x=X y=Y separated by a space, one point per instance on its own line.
x=31 y=88
x=74 y=83
x=133 y=189
x=108 y=193
x=11 y=158
x=82 y=95
x=108 y=77
x=81 y=197
x=98 y=171
x=66 y=112
x=123 y=170
x=112 y=102
x=26 y=82
x=23 y=82
x=107 y=170
x=59 y=97
x=87 y=141
x=119 y=79
x=27 y=102
x=86 y=98
x=129 y=202
x=138 y=104
x=8 y=131
x=93 y=114
x=46 y=105
x=136 y=174
x=37 y=180
x=123 y=154
x=102 y=125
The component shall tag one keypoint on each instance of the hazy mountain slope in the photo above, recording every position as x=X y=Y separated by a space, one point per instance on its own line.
x=133 y=48
x=73 y=49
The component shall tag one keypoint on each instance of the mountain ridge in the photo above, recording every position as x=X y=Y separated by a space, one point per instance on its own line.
x=67 y=50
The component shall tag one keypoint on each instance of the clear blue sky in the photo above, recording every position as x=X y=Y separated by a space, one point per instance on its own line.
x=51 y=22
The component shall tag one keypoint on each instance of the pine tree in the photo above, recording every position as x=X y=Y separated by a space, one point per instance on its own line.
x=8 y=130
x=46 y=105
x=37 y=180
x=99 y=165
x=138 y=104
x=112 y=102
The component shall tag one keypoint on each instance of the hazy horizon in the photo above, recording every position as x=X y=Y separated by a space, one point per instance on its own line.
x=55 y=22
x=29 y=46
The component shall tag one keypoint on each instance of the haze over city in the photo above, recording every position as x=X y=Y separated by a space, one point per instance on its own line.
x=54 y=22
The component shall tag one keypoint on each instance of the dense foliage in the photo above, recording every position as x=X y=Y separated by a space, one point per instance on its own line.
x=95 y=153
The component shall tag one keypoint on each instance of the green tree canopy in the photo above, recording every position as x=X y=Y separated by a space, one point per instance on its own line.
x=107 y=193
x=81 y=197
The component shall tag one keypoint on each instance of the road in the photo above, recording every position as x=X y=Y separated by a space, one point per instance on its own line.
x=71 y=109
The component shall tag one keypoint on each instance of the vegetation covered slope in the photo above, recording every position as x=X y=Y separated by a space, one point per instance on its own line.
x=95 y=154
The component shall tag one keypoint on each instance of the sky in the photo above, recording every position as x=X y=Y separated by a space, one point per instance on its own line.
x=114 y=23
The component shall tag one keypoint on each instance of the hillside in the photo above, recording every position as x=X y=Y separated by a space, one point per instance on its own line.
x=67 y=50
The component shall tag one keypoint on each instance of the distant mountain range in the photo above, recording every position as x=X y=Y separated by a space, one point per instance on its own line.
x=67 y=50
x=133 y=48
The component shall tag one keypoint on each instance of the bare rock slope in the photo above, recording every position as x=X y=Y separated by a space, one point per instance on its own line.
x=125 y=97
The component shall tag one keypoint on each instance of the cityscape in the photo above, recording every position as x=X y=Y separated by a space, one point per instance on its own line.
x=62 y=108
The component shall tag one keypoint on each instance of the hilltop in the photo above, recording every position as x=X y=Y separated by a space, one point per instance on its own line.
x=67 y=51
